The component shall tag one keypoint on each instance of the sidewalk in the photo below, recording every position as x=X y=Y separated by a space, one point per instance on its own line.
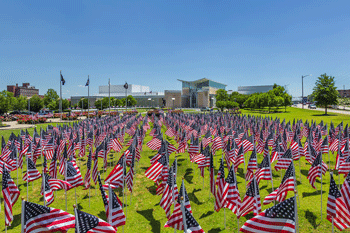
x=329 y=110
x=15 y=125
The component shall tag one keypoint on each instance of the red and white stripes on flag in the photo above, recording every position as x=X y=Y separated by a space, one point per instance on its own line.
x=279 y=218
x=337 y=211
x=10 y=193
x=37 y=218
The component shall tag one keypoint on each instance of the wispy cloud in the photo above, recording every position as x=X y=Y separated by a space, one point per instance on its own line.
x=81 y=85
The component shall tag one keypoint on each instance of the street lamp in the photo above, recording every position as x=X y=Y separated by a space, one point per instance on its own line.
x=302 y=88
x=126 y=86
x=173 y=102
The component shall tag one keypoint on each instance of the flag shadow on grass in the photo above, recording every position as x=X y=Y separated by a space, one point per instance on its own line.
x=193 y=197
x=215 y=230
x=206 y=214
x=148 y=214
x=318 y=192
x=16 y=221
x=311 y=217
x=187 y=177
x=152 y=189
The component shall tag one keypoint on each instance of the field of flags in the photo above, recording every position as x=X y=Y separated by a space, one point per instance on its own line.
x=235 y=156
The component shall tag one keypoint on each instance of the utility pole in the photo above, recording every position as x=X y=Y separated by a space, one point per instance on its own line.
x=302 y=89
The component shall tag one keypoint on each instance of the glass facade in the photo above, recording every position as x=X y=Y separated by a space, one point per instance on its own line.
x=202 y=83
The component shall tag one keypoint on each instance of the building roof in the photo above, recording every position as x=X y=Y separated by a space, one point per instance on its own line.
x=200 y=81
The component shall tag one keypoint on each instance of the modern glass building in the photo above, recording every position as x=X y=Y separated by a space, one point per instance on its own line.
x=199 y=93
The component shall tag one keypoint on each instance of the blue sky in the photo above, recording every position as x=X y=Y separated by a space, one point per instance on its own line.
x=154 y=43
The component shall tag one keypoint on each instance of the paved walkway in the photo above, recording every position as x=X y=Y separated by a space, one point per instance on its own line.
x=328 y=110
x=15 y=125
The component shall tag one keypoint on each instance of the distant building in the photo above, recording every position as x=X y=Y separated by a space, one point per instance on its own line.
x=247 y=90
x=194 y=94
x=24 y=90
x=199 y=93
x=344 y=93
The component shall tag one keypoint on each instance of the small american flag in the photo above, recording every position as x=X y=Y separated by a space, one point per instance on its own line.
x=10 y=193
x=85 y=222
x=32 y=173
x=251 y=201
x=336 y=207
x=279 y=218
x=38 y=218
x=221 y=192
x=317 y=169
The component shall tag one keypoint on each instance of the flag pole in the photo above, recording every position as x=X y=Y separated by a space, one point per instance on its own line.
x=22 y=215
x=60 y=95
x=296 y=212
x=65 y=178
x=237 y=210
x=268 y=154
x=295 y=182
x=109 y=96
x=88 y=97
x=27 y=174
x=76 y=219
x=321 y=183
x=43 y=186
x=173 y=185
x=331 y=172
x=110 y=203
x=183 y=207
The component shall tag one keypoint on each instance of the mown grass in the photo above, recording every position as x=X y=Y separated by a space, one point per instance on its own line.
x=145 y=215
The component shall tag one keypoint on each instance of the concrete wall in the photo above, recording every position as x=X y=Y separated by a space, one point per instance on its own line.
x=168 y=95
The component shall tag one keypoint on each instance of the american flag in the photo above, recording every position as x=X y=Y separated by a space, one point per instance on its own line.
x=130 y=176
x=117 y=175
x=325 y=146
x=212 y=176
x=279 y=218
x=48 y=149
x=49 y=185
x=251 y=201
x=284 y=161
x=38 y=218
x=336 y=207
x=116 y=215
x=88 y=223
x=32 y=173
x=116 y=145
x=317 y=169
x=233 y=199
x=239 y=158
x=191 y=223
x=155 y=143
x=153 y=172
x=221 y=192
x=10 y=194
x=73 y=174
x=176 y=221
x=264 y=170
x=170 y=192
x=87 y=177
x=345 y=191
x=95 y=168
x=287 y=184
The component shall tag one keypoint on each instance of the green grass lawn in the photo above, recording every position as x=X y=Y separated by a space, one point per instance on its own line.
x=144 y=213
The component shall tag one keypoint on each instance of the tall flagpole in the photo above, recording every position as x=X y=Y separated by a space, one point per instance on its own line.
x=109 y=96
x=60 y=95
x=88 y=97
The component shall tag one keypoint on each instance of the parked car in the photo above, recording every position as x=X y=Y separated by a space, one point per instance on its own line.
x=312 y=106
x=204 y=109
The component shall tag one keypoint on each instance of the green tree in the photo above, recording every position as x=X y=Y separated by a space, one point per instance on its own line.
x=20 y=103
x=83 y=101
x=51 y=95
x=287 y=101
x=221 y=95
x=36 y=103
x=231 y=104
x=131 y=101
x=221 y=104
x=4 y=105
x=325 y=91
x=271 y=99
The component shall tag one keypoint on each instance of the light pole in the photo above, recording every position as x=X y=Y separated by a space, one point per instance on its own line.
x=302 y=89
x=126 y=86
x=173 y=102
x=149 y=106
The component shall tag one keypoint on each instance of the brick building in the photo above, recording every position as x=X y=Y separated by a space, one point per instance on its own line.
x=344 y=93
x=24 y=90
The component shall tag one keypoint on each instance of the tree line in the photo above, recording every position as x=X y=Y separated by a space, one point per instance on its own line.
x=275 y=98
